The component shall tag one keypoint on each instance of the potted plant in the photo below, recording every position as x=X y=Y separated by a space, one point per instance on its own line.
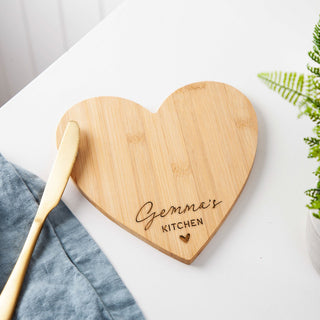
x=304 y=91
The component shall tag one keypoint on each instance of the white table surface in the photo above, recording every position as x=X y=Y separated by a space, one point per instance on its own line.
x=257 y=265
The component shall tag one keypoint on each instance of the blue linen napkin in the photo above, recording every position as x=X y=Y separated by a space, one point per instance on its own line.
x=68 y=275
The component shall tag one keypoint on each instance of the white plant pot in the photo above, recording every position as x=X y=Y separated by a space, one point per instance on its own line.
x=313 y=239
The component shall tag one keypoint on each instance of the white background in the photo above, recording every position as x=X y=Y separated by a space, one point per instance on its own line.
x=34 y=33
x=257 y=265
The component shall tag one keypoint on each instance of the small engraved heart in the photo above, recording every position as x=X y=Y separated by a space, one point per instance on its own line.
x=185 y=238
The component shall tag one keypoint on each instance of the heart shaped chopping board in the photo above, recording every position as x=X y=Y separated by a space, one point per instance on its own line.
x=169 y=177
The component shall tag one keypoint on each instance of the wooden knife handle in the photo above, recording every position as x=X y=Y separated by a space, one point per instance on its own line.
x=10 y=292
x=53 y=191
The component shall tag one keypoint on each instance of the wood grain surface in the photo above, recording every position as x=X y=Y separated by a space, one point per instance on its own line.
x=169 y=177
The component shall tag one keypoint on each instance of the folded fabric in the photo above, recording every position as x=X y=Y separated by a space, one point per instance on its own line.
x=68 y=275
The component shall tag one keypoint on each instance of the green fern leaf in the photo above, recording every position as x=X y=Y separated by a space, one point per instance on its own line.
x=316 y=83
x=316 y=215
x=314 y=205
x=312 y=90
x=317 y=172
x=314 y=152
x=313 y=193
x=316 y=36
x=314 y=70
x=304 y=91
x=316 y=130
x=314 y=56
x=311 y=141
x=313 y=115
x=289 y=85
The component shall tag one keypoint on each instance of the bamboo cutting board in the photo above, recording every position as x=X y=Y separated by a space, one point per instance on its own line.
x=170 y=177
